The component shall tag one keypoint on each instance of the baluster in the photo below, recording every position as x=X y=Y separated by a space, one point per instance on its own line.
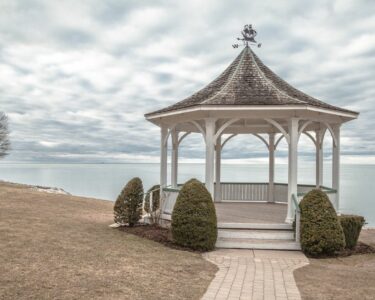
x=253 y=192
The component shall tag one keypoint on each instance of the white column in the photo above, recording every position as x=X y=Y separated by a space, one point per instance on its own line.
x=292 y=166
x=163 y=161
x=210 y=153
x=271 y=166
x=174 y=162
x=218 y=170
x=336 y=166
x=319 y=134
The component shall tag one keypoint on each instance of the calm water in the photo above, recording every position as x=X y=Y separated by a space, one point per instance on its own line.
x=105 y=181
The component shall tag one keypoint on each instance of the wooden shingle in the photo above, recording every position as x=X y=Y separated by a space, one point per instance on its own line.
x=247 y=81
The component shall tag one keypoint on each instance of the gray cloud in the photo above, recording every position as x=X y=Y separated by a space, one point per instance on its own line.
x=77 y=77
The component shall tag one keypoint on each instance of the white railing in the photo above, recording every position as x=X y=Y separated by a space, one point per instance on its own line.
x=170 y=197
x=244 y=192
x=150 y=194
x=280 y=194
x=298 y=218
x=247 y=192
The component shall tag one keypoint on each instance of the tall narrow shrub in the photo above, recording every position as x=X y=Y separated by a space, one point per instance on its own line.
x=194 y=223
x=128 y=206
x=321 y=232
x=352 y=226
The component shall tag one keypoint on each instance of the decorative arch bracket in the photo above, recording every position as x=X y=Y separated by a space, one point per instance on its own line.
x=200 y=128
x=334 y=137
x=302 y=128
x=262 y=139
x=278 y=126
x=227 y=139
x=278 y=141
x=168 y=134
x=223 y=127
x=180 y=139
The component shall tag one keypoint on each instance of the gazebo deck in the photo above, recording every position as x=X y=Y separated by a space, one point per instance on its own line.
x=264 y=213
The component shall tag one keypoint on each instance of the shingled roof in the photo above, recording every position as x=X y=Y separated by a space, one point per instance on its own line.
x=247 y=81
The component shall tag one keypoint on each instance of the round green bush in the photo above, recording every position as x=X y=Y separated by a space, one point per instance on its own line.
x=321 y=232
x=155 y=199
x=352 y=226
x=194 y=223
x=128 y=206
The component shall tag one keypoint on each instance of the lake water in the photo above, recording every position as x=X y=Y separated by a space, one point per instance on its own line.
x=105 y=181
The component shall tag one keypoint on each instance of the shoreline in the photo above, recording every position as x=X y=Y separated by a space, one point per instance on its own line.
x=40 y=188
x=52 y=190
x=61 y=191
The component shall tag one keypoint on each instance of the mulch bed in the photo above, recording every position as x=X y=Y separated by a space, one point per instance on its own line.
x=155 y=233
x=361 y=248
x=164 y=236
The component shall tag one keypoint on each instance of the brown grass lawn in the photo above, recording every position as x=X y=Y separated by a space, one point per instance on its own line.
x=350 y=277
x=58 y=246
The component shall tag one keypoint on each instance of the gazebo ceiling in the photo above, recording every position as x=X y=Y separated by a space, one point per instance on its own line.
x=248 y=88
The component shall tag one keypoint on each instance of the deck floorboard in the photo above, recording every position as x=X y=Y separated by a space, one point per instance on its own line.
x=265 y=213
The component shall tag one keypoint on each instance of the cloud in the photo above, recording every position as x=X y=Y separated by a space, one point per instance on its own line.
x=77 y=77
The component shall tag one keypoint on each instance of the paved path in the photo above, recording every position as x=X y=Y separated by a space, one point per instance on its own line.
x=254 y=274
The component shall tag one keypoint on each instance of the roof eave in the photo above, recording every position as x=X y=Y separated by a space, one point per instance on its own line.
x=347 y=113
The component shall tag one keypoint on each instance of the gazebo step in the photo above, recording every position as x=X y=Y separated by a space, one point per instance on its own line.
x=238 y=243
x=260 y=226
x=256 y=234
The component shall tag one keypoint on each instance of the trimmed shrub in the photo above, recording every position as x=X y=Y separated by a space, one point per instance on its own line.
x=352 y=226
x=155 y=199
x=128 y=206
x=321 y=232
x=194 y=223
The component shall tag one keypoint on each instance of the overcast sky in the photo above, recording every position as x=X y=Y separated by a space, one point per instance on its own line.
x=76 y=77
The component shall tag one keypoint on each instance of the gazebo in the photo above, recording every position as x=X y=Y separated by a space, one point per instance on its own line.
x=248 y=98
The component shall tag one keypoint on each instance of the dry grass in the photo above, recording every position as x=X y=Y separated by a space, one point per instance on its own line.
x=58 y=246
x=350 y=277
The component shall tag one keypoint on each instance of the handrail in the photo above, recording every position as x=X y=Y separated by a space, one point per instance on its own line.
x=171 y=189
x=151 y=200
x=331 y=190
x=298 y=217
x=325 y=189
x=295 y=203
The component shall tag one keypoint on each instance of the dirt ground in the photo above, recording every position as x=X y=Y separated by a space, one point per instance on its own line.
x=60 y=247
x=350 y=277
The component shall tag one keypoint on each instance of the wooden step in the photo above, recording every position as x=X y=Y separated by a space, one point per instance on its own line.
x=270 y=234
x=260 y=226
x=238 y=243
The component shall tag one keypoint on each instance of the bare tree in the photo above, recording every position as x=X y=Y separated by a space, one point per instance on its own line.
x=4 y=135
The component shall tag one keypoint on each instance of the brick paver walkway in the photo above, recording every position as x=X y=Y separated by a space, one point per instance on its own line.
x=254 y=274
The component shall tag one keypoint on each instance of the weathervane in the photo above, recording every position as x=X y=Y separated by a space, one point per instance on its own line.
x=248 y=36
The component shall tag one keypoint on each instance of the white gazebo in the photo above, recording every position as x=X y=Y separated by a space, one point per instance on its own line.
x=248 y=98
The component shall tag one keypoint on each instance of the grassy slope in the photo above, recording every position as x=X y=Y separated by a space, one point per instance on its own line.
x=58 y=246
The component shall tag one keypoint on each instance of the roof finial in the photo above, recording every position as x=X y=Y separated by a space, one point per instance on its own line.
x=248 y=36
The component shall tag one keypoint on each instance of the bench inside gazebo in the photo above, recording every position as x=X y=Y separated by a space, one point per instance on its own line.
x=248 y=98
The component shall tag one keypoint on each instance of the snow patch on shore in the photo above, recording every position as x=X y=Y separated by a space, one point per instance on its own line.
x=51 y=190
